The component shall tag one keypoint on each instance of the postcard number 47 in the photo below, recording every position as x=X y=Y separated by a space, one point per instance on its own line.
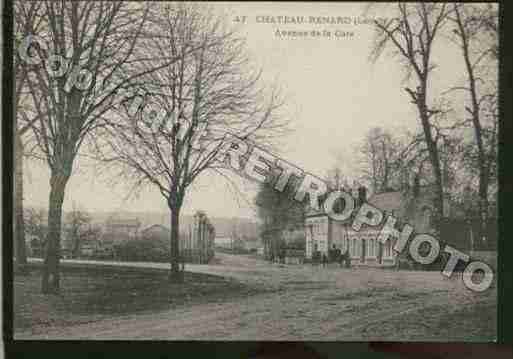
x=241 y=19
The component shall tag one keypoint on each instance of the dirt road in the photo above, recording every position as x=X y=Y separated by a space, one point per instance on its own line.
x=311 y=303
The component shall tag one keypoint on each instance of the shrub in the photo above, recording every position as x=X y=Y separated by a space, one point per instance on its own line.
x=147 y=250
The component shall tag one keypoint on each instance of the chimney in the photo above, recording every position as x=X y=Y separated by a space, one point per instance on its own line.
x=362 y=194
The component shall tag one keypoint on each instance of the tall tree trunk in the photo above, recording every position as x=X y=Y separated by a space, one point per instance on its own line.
x=75 y=251
x=51 y=276
x=19 y=221
x=474 y=111
x=21 y=254
x=175 y=275
x=439 y=192
x=434 y=156
x=483 y=205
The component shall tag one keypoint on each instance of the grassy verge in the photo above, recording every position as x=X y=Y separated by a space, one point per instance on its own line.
x=471 y=322
x=91 y=294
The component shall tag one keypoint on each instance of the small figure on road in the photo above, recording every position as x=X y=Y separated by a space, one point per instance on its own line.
x=335 y=254
x=344 y=257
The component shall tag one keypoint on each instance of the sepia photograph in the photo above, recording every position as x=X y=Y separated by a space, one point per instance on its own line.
x=254 y=171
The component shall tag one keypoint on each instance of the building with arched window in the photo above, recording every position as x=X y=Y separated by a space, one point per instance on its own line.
x=414 y=207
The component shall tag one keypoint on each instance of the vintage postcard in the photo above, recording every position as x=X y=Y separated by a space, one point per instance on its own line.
x=248 y=171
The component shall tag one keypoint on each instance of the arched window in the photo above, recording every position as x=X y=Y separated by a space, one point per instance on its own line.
x=388 y=249
x=371 y=247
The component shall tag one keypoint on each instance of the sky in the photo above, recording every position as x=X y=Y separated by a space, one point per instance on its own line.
x=334 y=96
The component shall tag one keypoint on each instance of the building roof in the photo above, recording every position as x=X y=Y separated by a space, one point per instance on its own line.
x=403 y=203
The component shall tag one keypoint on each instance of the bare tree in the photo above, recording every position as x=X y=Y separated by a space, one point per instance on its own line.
x=27 y=22
x=412 y=33
x=211 y=87
x=73 y=77
x=413 y=158
x=79 y=227
x=476 y=34
x=379 y=159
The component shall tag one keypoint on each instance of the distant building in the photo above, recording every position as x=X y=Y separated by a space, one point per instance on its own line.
x=196 y=243
x=118 y=230
x=89 y=243
x=123 y=227
x=35 y=243
x=414 y=206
